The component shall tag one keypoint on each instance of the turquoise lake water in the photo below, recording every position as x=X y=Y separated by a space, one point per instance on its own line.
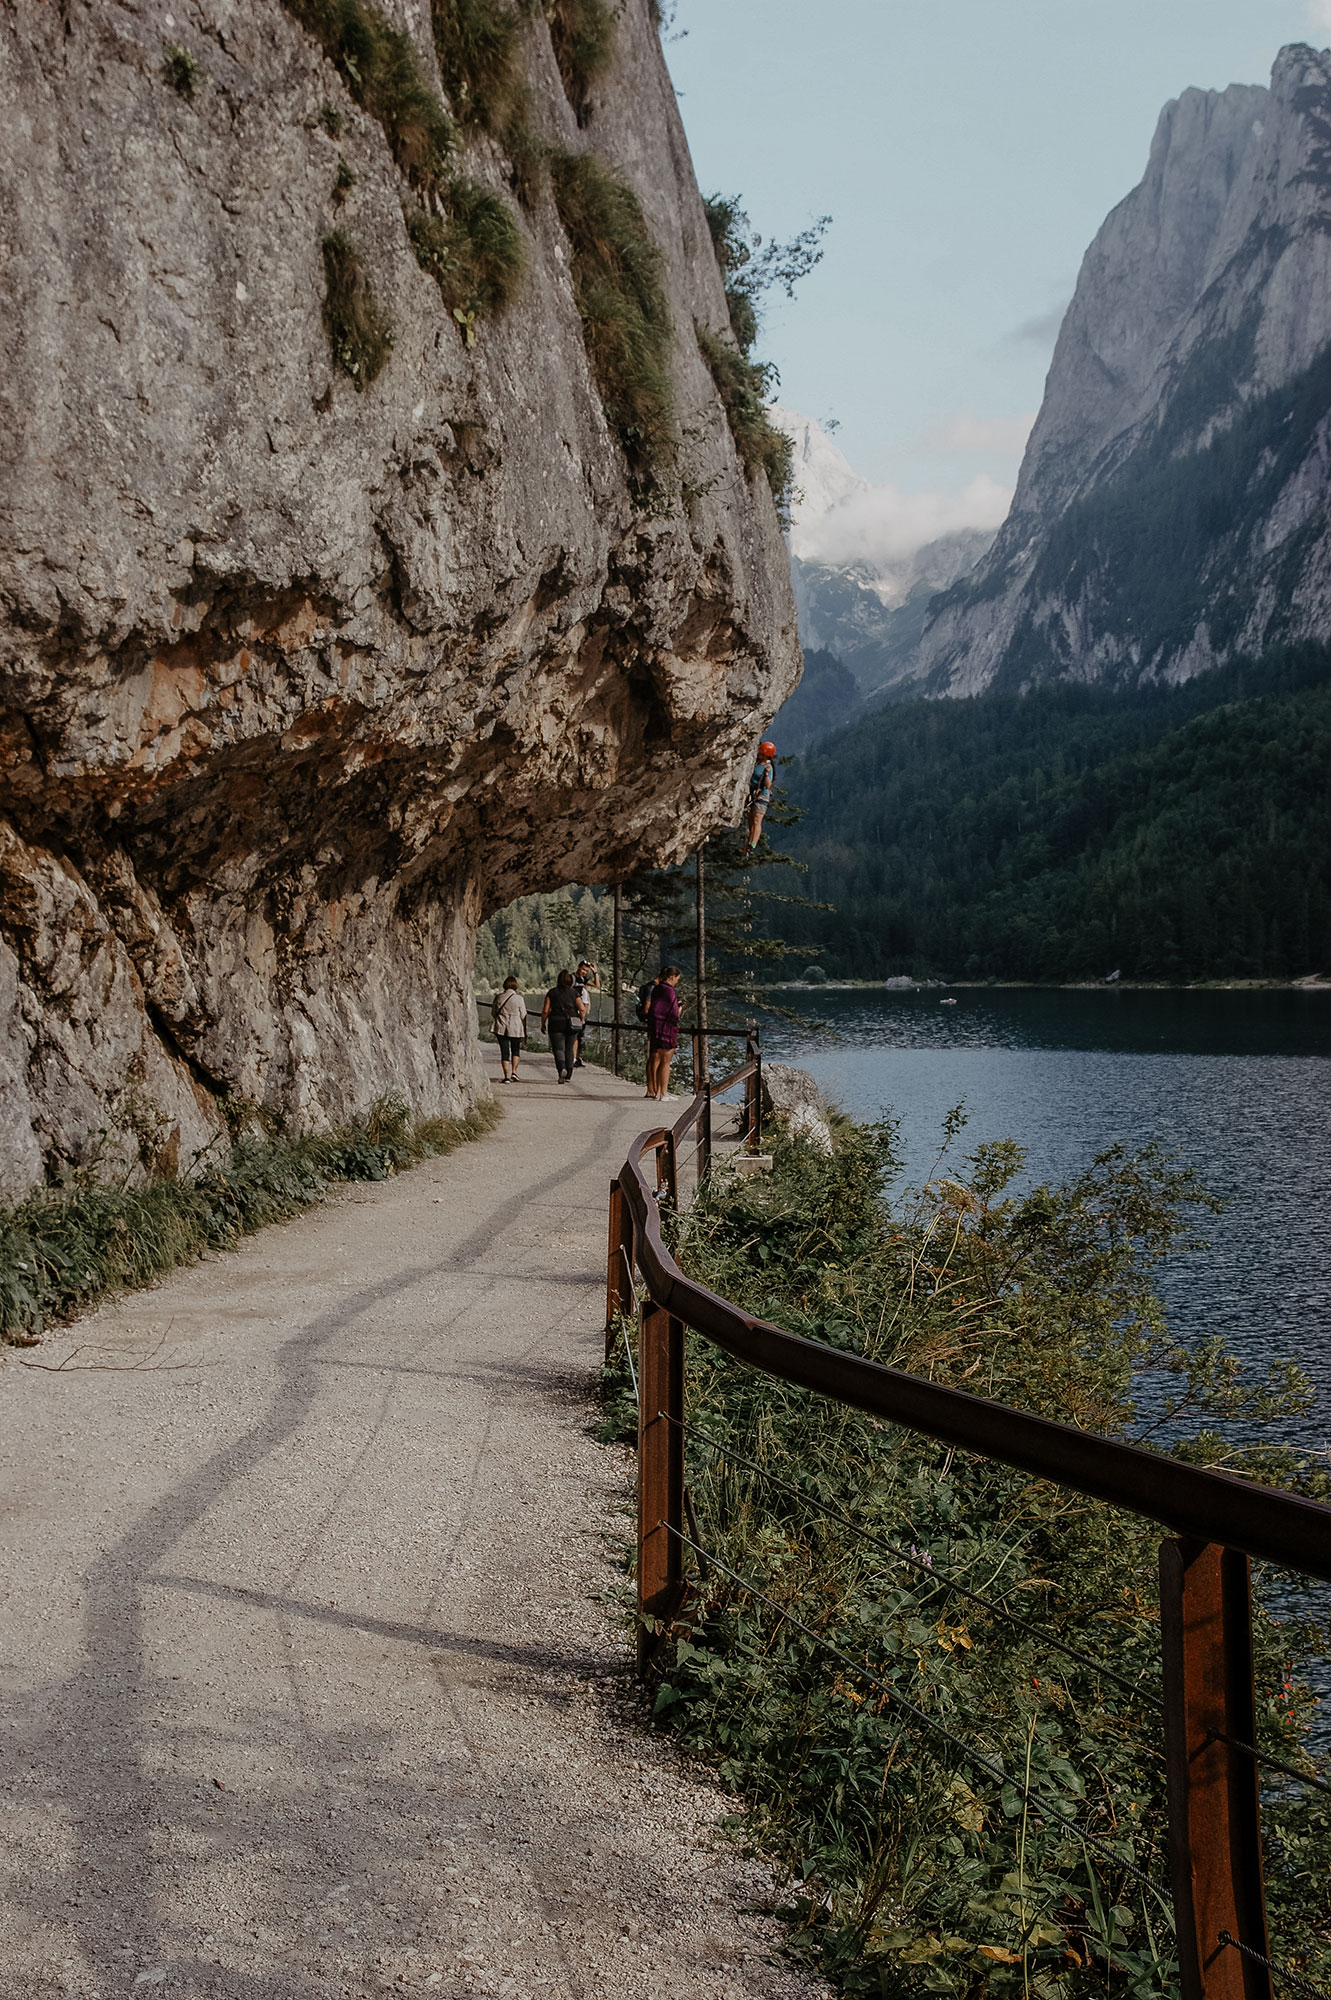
x=1238 y=1085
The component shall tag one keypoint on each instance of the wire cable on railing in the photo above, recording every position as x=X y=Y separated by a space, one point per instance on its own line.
x=976 y=1758
x=1294 y=1979
x=628 y=1353
x=918 y=1562
x=1265 y=1757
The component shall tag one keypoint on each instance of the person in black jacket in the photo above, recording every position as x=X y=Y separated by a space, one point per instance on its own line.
x=561 y=1017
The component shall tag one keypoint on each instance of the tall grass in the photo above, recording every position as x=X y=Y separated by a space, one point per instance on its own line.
x=359 y=336
x=582 y=33
x=478 y=43
x=475 y=253
x=617 y=280
x=743 y=386
x=380 y=66
x=914 y=1869
x=62 y=1249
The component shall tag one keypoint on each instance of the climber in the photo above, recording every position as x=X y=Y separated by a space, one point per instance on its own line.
x=760 y=791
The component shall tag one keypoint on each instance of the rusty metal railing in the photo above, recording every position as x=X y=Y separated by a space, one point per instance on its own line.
x=1217 y=1523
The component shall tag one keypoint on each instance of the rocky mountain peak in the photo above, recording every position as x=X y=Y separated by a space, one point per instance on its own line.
x=1171 y=506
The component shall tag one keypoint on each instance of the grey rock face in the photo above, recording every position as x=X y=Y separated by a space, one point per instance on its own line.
x=297 y=683
x=1172 y=509
x=792 y=1096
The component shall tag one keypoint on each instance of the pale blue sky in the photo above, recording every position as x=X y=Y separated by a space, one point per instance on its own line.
x=967 y=151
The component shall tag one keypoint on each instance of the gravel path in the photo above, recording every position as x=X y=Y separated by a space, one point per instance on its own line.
x=310 y=1684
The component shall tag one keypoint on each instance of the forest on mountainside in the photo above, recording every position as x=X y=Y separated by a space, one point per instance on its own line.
x=1165 y=833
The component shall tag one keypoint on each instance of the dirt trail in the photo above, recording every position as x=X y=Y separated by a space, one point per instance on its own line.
x=309 y=1687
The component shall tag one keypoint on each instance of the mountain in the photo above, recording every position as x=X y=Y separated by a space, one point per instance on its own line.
x=862 y=586
x=1172 y=508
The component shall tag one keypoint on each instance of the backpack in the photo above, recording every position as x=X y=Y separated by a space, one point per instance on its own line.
x=645 y=992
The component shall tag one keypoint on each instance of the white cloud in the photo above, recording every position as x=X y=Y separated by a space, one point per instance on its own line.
x=1042 y=330
x=968 y=433
x=882 y=525
x=1319 y=17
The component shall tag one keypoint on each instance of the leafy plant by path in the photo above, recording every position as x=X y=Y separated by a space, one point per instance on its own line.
x=360 y=337
x=914 y=1869
x=617 y=280
x=62 y=1249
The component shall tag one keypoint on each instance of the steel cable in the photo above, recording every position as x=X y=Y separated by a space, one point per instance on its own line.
x=1264 y=1757
x=1294 y=1979
x=918 y=1562
x=976 y=1758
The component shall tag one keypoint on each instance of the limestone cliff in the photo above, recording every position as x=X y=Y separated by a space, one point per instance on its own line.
x=299 y=677
x=1174 y=507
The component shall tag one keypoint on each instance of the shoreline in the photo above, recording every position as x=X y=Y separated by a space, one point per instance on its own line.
x=1308 y=984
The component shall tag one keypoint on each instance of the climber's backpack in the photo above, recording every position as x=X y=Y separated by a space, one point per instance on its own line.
x=645 y=998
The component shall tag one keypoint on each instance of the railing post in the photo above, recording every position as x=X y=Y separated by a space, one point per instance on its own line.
x=757 y=1142
x=672 y=1168
x=618 y=1264
x=705 y=1154
x=660 y=1472
x=1215 y=1849
x=617 y=975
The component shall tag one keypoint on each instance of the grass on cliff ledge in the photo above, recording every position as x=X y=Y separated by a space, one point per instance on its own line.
x=475 y=254
x=744 y=386
x=63 y=1249
x=582 y=33
x=379 y=64
x=617 y=280
x=359 y=336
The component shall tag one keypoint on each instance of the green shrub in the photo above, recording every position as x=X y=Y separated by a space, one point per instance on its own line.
x=383 y=72
x=475 y=254
x=743 y=386
x=626 y=320
x=582 y=33
x=63 y=1249
x=359 y=336
x=331 y=119
x=181 y=70
x=915 y=1870
x=344 y=180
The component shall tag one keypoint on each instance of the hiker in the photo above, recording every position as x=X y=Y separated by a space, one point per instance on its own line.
x=662 y=1031
x=561 y=1016
x=508 y=1011
x=586 y=981
x=760 y=791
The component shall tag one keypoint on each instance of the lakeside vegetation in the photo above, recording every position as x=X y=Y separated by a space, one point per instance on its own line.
x=941 y=1579
x=1170 y=833
x=63 y=1249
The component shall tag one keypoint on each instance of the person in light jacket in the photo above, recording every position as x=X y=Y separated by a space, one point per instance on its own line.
x=508 y=1010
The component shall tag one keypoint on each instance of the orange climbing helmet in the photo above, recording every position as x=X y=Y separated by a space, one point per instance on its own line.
x=767 y=749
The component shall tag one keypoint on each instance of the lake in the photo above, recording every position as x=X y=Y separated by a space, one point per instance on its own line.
x=1237 y=1084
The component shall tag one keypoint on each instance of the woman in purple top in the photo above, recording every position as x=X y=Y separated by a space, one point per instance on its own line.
x=662 y=1030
